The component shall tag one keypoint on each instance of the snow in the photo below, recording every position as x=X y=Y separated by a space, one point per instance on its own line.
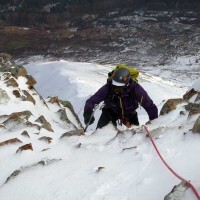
x=135 y=173
x=182 y=71
x=196 y=85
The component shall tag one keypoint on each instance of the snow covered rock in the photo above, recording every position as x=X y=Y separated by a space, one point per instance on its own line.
x=193 y=108
x=54 y=100
x=196 y=85
x=4 y=98
x=189 y=94
x=17 y=119
x=6 y=62
x=25 y=134
x=196 y=127
x=193 y=99
x=46 y=139
x=25 y=168
x=194 y=90
x=14 y=71
x=25 y=148
x=28 y=97
x=21 y=71
x=14 y=174
x=31 y=81
x=44 y=123
x=67 y=104
x=10 y=141
x=78 y=132
x=170 y=105
x=63 y=116
x=177 y=192
x=197 y=98
x=12 y=82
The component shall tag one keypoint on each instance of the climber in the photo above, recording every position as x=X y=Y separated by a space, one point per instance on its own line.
x=122 y=96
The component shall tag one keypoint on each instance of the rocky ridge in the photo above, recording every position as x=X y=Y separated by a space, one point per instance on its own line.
x=28 y=122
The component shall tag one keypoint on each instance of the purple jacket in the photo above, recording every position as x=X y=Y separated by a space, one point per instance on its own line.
x=128 y=103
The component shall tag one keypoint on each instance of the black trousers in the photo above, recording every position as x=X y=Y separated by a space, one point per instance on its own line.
x=108 y=115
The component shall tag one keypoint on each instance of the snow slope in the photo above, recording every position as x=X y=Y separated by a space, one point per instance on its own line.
x=78 y=81
x=102 y=165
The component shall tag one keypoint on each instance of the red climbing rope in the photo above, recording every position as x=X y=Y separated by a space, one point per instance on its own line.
x=179 y=177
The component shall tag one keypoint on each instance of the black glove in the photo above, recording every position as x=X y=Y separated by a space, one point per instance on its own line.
x=133 y=118
x=87 y=116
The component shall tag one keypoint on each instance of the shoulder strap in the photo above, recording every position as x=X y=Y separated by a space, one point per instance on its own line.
x=133 y=95
x=109 y=83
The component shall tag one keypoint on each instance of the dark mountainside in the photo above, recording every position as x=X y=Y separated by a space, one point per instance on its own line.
x=148 y=32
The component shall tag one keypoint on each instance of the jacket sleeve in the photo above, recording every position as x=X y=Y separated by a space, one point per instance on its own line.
x=145 y=101
x=97 y=98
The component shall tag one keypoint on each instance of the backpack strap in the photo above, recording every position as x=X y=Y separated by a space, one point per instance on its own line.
x=133 y=95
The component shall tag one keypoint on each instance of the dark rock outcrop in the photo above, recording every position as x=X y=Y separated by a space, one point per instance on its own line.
x=10 y=141
x=25 y=148
x=25 y=134
x=44 y=123
x=193 y=108
x=189 y=94
x=16 y=93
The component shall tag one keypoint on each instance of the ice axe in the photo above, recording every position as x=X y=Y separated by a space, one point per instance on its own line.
x=95 y=107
